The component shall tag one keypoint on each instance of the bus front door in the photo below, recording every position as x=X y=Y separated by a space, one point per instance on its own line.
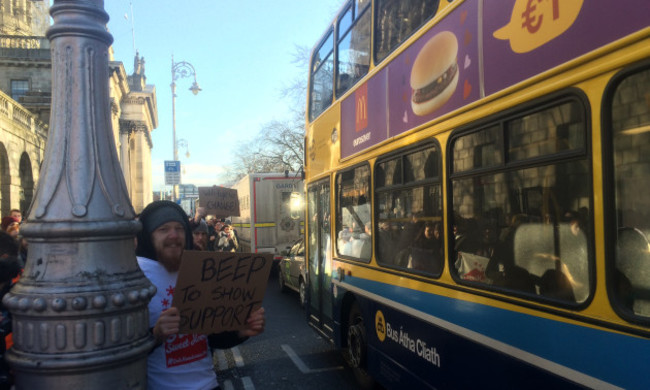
x=320 y=258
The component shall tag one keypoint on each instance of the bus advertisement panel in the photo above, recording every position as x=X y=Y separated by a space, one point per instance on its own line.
x=539 y=35
x=517 y=42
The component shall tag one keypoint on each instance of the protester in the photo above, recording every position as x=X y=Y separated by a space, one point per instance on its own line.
x=11 y=225
x=233 y=229
x=200 y=236
x=178 y=361
x=228 y=241
x=212 y=233
x=9 y=271
x=16 y=214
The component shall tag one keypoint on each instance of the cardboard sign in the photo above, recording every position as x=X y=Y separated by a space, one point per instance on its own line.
x=217 y=291
x=219 y=201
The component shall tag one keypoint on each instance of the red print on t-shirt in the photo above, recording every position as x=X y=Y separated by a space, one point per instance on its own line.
x=165 y=302
x=185 y=348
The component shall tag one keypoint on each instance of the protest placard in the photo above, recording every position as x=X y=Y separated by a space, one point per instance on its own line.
x=216 y=291
x=219 y=201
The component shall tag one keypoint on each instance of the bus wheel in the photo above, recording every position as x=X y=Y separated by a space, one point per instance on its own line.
x=357 y=348
x=302 y=289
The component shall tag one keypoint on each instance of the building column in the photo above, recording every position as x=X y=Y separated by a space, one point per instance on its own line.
x=80 y=318
x=125 y=159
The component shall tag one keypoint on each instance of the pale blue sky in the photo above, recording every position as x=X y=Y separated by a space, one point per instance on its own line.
x=242 y=52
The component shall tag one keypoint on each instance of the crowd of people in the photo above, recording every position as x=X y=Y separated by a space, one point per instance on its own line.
x=178 y=361
x=213 y=234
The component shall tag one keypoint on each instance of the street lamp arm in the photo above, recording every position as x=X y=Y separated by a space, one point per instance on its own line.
x=183 y=69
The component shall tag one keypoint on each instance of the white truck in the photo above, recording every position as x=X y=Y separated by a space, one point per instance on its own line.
x=267 y=222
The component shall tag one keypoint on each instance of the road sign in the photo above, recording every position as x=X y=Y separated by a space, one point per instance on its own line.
x=172 y=172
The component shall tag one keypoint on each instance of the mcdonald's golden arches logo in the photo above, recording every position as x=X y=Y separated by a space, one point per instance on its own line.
x=361 y=98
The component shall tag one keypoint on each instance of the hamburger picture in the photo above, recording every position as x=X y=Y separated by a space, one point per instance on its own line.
x=435 y=73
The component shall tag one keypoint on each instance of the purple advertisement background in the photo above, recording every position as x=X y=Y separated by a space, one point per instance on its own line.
x=376 y=117
x=463 y=23
x=598 y=23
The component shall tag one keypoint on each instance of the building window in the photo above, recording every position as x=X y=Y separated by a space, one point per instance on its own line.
x=19 y=88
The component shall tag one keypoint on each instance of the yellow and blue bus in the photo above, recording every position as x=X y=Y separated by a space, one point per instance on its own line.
x=477 y=192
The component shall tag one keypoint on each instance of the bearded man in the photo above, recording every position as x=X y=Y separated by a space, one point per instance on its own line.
x=179 y=361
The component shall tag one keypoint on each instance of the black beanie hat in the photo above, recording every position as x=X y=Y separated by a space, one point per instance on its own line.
x=154 y=215
x=159 y=217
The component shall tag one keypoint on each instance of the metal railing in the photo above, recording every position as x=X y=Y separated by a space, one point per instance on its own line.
x=14 y=112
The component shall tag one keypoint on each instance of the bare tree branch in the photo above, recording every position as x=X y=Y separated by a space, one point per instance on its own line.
x=279 y=144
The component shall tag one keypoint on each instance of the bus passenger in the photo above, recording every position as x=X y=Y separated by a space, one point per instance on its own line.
x=501 y=269
x=343 y=243
x=632 y=253
x=564 y=280
x=426 y=253
x=361 y=243
x=385 y=243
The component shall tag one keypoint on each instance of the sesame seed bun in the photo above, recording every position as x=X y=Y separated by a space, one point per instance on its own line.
x=434 y=75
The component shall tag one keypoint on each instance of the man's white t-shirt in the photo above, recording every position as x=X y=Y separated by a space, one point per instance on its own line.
x=182 y=361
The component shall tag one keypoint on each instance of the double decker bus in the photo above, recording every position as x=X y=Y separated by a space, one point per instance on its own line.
x=477 y=192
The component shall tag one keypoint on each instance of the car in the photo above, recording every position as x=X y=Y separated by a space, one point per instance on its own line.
x=292 y=272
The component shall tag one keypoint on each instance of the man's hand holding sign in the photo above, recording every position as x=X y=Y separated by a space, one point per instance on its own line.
x=221 y=291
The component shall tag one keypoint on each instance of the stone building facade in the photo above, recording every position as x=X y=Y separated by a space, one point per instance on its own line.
x=25 y=101
x=22 y=147
x=134 y=116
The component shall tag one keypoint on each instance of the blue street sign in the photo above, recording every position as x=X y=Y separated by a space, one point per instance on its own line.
x=172 y=172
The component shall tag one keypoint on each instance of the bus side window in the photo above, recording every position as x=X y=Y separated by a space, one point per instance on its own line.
x=630 y=161
x=521 y=221
x=408 y=207
x=354 y=233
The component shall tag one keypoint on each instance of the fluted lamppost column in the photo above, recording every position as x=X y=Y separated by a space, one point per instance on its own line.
x=80 y=318
x=180 y=70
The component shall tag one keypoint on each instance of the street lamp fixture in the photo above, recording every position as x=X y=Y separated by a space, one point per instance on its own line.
x=182 y=143
x=181 y=69
x=195 y=88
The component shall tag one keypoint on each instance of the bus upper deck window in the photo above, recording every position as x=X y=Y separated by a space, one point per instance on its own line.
x=353 y=48
x=395 y=21
x=322 y=77
x=360 y=5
